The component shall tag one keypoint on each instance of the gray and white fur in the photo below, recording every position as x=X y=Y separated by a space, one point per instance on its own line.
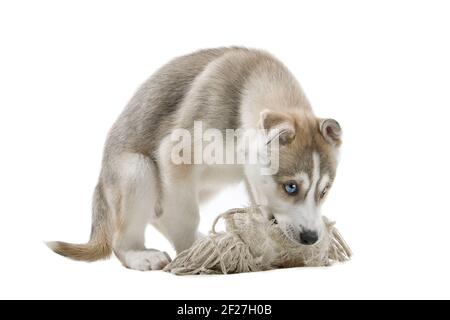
x=225 y=88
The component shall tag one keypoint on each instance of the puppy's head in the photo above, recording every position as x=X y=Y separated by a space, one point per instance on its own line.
x=308 y=156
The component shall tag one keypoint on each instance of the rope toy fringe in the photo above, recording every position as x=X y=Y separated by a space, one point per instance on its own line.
x=253 y=243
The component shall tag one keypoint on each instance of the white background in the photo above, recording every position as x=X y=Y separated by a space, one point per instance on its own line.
x=381 y=68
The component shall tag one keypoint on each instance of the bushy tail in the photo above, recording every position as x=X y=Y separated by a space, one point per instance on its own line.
x=99 y=246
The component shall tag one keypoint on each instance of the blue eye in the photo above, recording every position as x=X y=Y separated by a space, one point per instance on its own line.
x=291 y=188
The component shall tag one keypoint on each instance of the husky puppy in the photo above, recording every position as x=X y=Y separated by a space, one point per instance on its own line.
x=224 y=88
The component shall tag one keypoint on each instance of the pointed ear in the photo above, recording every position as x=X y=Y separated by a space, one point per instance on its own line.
x=331 y=131
x=277 y=124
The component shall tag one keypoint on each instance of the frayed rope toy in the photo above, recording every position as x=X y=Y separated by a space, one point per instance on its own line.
x=253 y=243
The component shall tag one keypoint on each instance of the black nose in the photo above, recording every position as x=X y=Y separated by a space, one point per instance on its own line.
x=308 y=237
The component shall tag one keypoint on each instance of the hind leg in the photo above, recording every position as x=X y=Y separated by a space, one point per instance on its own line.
x=134 y=205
